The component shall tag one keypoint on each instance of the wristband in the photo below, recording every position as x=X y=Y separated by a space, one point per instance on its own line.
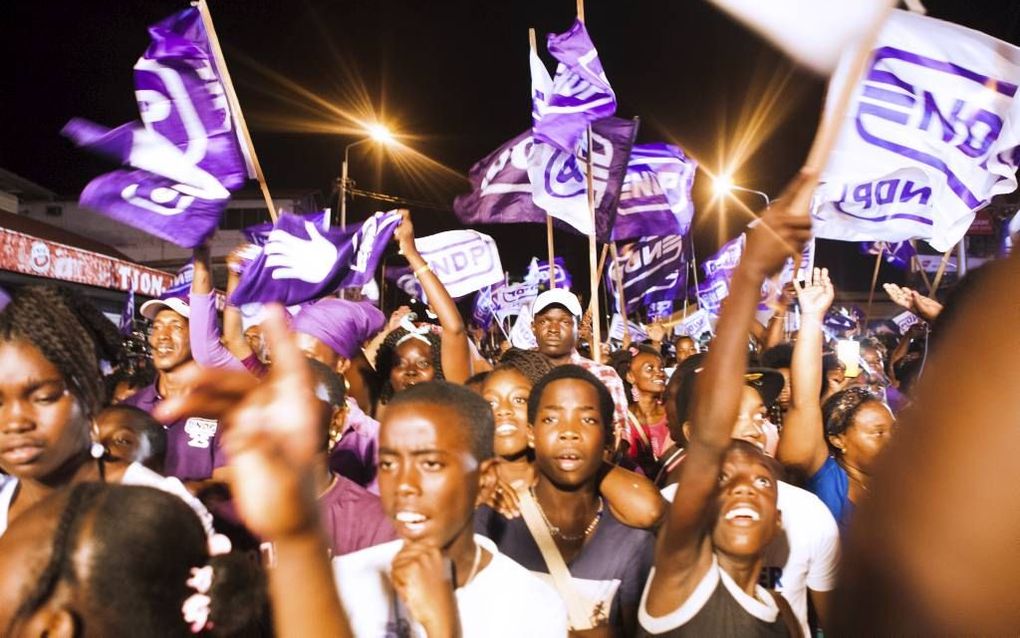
x=421 y=270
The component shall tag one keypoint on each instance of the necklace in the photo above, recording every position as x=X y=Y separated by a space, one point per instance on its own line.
x=555 y=531
x=474 y=566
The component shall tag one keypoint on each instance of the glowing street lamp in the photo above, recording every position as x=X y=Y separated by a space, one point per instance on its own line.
x=376 y=133
x=724 y=186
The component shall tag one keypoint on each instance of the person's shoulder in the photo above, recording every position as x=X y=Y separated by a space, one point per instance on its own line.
x=798 y=499
x=144 y=399
x=347 y=491
x=519 y=586
x=364 y=561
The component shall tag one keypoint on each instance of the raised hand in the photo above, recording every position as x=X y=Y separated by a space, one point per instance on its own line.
x=656 y=331
x=815 y=295
x=404 y=233
x=780 y=232
x=922 y=306
x=309 y=260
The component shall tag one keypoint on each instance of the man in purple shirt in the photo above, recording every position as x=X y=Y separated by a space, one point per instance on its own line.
x=193 y=444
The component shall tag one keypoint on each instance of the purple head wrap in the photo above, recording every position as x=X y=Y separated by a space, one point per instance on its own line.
x=340 y=324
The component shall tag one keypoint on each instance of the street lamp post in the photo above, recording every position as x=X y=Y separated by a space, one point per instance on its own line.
x=724 y=186
x=376 y=133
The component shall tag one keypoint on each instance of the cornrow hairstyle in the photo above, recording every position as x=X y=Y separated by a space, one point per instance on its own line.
x=475 y=413
x=571 y=371
x=532 y=364
x=70 y=332
x=622 y=359
x=385 y=358
x=839 y=410
x=142 y=545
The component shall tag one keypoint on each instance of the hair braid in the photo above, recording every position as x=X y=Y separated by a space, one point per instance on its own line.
x=532 y=364
x=384 y=360
x=71 y=333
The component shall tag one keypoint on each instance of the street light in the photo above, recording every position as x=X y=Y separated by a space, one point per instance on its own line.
x=724 y=186
x=376 y=133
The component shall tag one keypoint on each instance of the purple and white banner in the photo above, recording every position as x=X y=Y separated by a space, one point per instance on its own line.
x=904 y=320
x=522 y=335
x=656 y=194
x=652 y=269
x=259 y=233
x=538 y=273
x=617 y=331
x=933 y=134
x=185 y=154
x=580 y=93
x=127 y=315
x=180 y=286
x=300 y=262
x=695 y=325
x=718 y=270
x=898 y=254
x=481 y=309
x=502 y=191
x=464 y=260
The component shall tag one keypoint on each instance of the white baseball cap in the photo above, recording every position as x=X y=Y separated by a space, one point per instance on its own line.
x=560 y=297
x=151 y=308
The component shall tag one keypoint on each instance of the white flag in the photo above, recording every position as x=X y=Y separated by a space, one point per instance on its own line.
x=813 y=32
x=464 y=260
x=932 y=134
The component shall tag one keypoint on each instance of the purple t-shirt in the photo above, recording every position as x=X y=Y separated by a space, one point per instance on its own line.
x=354 y=455
x=353 y=517
x=192 y=445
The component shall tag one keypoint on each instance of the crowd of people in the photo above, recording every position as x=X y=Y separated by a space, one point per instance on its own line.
x=335 y=472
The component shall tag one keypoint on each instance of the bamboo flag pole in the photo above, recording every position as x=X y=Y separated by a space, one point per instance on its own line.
x=941 y=271
x=533 y=42
x=235 y=105
x=915 y=261
x=874 y=282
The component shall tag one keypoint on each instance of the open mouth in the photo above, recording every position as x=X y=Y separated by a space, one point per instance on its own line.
x=569 y=461
x=412 y=522
x=742 y=514
x=506 y=429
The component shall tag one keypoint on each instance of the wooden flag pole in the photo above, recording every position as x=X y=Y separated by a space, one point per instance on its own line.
x=235 y=105
x=533 y=42
x=941 y=271
x=874 y=282
x=829 y=125
x=596 y=331
x=915 y=261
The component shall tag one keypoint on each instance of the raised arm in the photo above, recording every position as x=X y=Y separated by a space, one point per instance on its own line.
x=922 y=306
x=456 y=356
x=802 y=442
x=779 y=233
x=233 y=328
x=206 y=347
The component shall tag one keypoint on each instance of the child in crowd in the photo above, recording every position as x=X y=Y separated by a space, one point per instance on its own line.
x=709 y=554
x=130 y=435
x=571 y=414
x=51 y=387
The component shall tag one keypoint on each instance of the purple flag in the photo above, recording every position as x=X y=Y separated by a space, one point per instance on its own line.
x=185 y=152
x=898 y=253
x=652 y=269
x=501 y=190
x=579 y=94
x=259 y=233
x=656 y=194
x=300 y=262
x=481 y=313
x=538 y=273
x=718 y=271
x=127 y=315
x=180 y=286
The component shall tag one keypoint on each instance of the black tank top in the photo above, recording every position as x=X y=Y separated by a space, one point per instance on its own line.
x=725 y=613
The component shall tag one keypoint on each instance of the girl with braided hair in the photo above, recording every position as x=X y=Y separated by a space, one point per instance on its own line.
x=413 y=354
x=632 y=498
x=51 y=389
x=119 y=560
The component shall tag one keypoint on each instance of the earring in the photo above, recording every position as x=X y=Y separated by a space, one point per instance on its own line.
x=97 y=451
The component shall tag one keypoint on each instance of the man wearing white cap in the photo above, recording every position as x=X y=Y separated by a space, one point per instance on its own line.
x=557 y=313
x=193 y=449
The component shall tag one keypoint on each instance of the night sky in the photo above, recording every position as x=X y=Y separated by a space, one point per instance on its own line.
x=452 y=75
